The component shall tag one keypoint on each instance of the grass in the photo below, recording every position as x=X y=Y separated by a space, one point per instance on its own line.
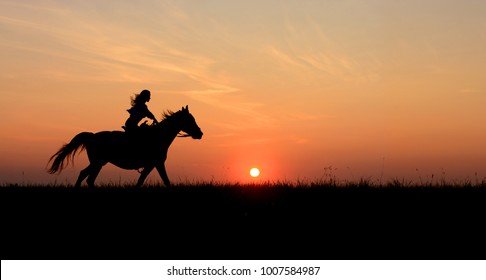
x=271 y=198
x=193 y=219
x=299 y=183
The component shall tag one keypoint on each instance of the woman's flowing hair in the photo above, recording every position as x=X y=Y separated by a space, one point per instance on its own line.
x=141 y=97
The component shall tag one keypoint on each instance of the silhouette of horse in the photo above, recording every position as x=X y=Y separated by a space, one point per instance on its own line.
x=146 y=148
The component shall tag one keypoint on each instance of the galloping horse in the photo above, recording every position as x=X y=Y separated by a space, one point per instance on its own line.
x=146 y=149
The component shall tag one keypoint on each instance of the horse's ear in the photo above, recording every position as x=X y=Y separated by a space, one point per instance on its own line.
x=187 y=108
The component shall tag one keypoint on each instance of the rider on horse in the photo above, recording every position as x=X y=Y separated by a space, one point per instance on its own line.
x=138 y=111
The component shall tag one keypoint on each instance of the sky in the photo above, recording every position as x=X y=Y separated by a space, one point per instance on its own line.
x=303 y=90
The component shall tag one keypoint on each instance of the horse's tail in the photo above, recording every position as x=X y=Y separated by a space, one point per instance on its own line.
x=68 y=151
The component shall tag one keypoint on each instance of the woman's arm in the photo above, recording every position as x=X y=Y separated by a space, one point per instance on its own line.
x=151 y=116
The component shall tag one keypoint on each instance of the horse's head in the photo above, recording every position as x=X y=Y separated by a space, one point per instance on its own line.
x=189 y=125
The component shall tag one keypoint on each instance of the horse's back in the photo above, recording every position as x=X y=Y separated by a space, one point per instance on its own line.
x=107 y=140
x=114 y=133
x=125 y=150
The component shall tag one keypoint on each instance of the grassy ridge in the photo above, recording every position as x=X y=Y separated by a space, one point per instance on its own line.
x=215 y=220
x=327 y=182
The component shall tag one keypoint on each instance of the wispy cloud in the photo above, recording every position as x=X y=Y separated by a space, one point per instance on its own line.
x=150 y=49
x=470 y=91
x=310 y=53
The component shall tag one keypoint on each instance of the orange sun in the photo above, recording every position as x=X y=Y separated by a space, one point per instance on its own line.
x=254 y=172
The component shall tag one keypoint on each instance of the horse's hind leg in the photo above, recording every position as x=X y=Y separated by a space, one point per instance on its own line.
x=93 y=173
x=82 y=175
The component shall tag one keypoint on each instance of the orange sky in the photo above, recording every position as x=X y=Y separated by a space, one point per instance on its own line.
x=376 y=89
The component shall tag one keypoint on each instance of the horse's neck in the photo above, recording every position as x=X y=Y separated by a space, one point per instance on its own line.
x=169 y=133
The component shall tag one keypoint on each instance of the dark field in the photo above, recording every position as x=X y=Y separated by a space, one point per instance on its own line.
x=217 y=221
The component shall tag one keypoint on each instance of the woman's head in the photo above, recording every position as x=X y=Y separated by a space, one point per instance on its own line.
x=142 y=97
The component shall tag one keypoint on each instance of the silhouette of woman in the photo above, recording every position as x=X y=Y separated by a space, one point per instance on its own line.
x=139 y=110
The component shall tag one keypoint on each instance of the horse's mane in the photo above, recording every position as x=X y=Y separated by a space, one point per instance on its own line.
x=166 y=114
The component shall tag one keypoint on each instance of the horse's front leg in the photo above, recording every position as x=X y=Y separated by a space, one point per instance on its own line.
x=143 y=175
x=163 y=174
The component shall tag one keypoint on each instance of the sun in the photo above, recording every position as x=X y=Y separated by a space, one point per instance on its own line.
x=254 y=172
